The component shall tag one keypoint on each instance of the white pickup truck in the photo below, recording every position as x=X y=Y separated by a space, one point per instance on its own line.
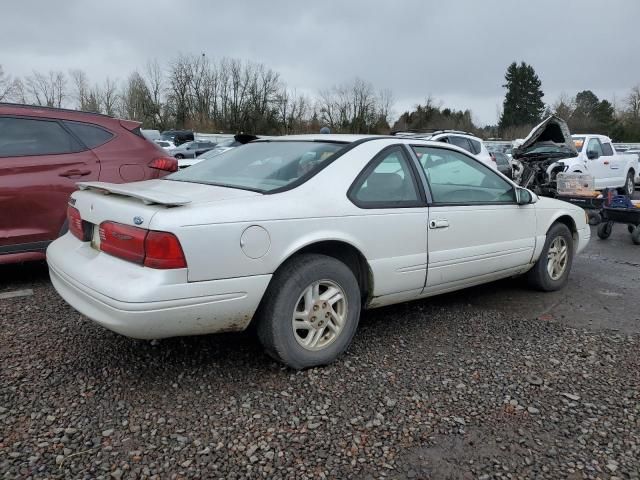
x=598 y=157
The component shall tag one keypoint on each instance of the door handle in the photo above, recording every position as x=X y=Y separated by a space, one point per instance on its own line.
x=438 y=223
x=606 y=162
x=75 y=173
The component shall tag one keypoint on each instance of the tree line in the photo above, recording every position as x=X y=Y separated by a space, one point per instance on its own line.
x=229 y=95
x=194 y=92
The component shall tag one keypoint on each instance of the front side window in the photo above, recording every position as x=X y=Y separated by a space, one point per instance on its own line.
x=387 y=182
x=595 y=146
x=25 y=137
x=261 y=166
x=455 y=178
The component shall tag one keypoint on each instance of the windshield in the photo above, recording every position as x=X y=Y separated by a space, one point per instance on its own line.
x=260 y=166
x=578 y=142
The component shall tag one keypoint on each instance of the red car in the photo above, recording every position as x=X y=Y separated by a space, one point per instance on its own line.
x=44 y=152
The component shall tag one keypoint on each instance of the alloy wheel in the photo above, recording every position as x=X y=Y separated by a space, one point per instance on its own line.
x=557 y=258
x=319 y=315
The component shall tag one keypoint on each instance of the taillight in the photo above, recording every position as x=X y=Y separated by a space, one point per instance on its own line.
x=123 y=241
x=168 y=164
x=163 y=250
x=152 y=249
x=77 y=227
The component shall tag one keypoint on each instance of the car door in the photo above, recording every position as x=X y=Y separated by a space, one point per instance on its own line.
x=477 y=232
x=617 y=164
x=598 y=164
x=396 y=217
x=40 y=163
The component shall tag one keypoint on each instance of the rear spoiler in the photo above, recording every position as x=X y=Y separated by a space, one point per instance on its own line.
x=148 y=196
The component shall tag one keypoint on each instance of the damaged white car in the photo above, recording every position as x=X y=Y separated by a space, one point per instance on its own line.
x=298 y=234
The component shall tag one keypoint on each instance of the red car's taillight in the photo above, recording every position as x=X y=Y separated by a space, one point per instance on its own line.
x=76 y=226
x=152 y=249
x=168 y=164
x=163 y=250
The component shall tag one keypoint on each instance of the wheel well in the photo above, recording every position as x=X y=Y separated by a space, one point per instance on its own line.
x=571 y=225
x=347 y=254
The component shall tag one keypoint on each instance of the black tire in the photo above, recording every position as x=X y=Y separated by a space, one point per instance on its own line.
x=631 y=228
x=629 y=186
x=604 y=230
x=538 y=277
x=274 y=326
x=179 y=156
x=595 y=218
x=635 y=236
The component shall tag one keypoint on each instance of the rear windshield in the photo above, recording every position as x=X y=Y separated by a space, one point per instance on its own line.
x=578 y=142
x=261 y=166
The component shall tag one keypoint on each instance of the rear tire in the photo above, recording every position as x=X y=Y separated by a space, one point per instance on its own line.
x=631 y=228
x=635 y=236
x=551 y=271
x=604 y=230
x=310 y=311
x=179 y=156
x=629 y=186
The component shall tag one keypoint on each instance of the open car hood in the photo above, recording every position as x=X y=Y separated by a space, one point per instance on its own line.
x=548 y=140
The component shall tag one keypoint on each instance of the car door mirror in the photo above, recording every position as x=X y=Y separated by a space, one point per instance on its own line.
x=524 y=196
x=592 y=155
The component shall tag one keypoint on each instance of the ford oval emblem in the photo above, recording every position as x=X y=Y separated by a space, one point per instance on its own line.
x=138 y=220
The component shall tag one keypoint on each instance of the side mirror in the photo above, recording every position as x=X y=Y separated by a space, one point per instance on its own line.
x=592 y=155
x=524 y=196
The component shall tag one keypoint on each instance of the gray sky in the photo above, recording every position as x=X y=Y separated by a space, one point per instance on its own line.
x=455 y=51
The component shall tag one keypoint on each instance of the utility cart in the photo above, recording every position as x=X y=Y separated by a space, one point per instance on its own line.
x=612 y=214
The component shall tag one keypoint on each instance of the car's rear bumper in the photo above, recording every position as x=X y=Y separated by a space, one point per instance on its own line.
x=148 y=303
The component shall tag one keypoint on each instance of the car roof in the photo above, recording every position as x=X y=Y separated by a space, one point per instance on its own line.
x=328 y=137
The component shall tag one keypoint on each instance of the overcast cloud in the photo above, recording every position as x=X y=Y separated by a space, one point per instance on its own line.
x=455 y=51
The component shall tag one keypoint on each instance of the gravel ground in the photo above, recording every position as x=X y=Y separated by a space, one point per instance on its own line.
x=431 y=390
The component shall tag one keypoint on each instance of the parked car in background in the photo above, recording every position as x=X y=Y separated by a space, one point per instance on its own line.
x=150 y=134
x=599 y=158
x=44 y=152
x=191 y=149
x=165 y=144
x=221 y=147
x=178 y=137
x=465 y=140
x=310 y=228
x=636 y=152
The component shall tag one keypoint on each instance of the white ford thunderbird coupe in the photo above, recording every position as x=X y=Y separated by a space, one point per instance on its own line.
x=297 y=234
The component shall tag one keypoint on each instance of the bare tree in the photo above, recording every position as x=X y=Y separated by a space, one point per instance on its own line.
x=109 y=96
x=47 y=90
x=564 y=106
x=81 y=88
x=9 y=87
x=633 y=103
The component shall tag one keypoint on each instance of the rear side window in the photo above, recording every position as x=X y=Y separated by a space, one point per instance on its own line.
x=476 y=146
x=91 y=135
x=606 y=149
x=387 y=182
x=21 y=137
x=461 y=142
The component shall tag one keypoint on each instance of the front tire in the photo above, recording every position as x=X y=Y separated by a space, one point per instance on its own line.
x=179 y=156
x=310 y=311
x=635 y=236
x=551 y=271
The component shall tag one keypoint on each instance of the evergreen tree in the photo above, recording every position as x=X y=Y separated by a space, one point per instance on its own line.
x=523 y=103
